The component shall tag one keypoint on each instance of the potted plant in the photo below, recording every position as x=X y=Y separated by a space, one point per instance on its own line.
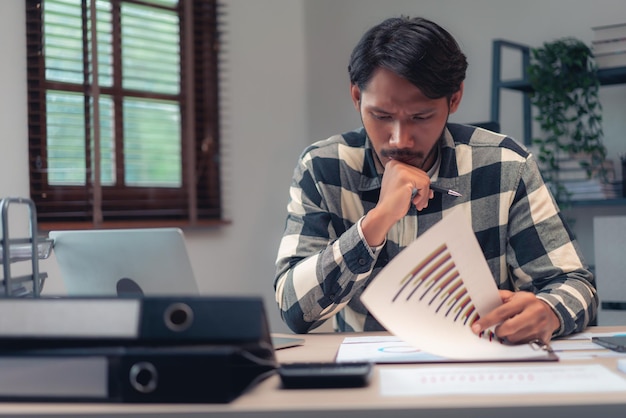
x=563 y=76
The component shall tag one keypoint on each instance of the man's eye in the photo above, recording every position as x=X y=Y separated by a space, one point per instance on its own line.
x=381 y=117
x=422 y=117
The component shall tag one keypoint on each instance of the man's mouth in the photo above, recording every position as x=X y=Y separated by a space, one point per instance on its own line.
x=403 y=155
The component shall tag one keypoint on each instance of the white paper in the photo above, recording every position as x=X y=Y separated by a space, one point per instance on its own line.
x=391 y=349
x=382 y=349
x=588 y=355
x=448 y=380
x=574 y=345
x=431 y=293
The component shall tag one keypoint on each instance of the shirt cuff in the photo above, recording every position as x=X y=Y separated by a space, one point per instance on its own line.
x=559 y=330
x=374 y=251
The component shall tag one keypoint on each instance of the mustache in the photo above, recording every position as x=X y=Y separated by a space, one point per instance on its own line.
x=401 y=154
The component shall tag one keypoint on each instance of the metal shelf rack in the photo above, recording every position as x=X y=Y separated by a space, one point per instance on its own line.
x=28 y=248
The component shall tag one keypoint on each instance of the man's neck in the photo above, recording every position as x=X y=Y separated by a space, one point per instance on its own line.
x=431 y=158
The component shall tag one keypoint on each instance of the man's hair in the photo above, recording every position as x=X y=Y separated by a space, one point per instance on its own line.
x=416 y=49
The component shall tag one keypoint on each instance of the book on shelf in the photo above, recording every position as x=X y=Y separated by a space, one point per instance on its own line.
x=612 y=189
x=574 y=168
x=609 y=32
x=593 y=189
x=572 y=174
x=612 y=46
x=611 y=60
x=609 y=45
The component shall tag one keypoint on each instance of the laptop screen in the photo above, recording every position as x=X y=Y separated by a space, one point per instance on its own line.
x=124 y=262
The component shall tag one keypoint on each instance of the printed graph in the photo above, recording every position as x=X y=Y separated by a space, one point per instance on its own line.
x=436 y=288
x=436 y=282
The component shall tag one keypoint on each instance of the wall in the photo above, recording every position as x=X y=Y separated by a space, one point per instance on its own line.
x=13 y=118
x=287 y=86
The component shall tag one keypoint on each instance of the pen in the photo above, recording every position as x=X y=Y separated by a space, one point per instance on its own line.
x=440 y=190
x=445 y=191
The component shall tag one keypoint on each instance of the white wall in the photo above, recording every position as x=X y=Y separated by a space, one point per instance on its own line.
x=13 y=112
x=287 y=86
x=263 y=115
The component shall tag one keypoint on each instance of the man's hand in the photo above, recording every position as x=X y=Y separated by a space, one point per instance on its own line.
x=521 y=318
x=400 y=181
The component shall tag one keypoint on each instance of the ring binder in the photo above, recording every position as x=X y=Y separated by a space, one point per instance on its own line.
x=153 y=349
x=54 y=322
x=192 y=374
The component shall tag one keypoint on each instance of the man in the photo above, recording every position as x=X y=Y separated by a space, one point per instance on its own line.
x=358 y=199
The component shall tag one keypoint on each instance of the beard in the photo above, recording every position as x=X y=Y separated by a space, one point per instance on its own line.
x=401 y=154
x=414 y=158
x=406 y=156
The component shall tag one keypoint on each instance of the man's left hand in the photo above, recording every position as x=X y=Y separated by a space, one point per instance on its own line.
x=522 y=317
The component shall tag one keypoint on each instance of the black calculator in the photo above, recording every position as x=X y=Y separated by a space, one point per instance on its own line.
x=325 y=375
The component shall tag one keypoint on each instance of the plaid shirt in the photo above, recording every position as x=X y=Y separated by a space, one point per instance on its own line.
x=324 y=262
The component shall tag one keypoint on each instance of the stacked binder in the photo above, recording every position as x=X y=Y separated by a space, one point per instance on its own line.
x=153 y=349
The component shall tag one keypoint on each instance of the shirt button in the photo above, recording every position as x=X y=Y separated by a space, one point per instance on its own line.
x=362 y=261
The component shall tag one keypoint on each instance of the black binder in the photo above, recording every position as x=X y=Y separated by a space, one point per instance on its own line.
x=190 y=374
x=98 y=321
x=153 y=349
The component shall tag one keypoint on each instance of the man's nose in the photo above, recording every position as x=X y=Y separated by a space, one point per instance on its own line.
x=401 y=136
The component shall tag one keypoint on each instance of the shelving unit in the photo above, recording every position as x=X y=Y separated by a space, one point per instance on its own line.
x=13 y=250
x=607 y=77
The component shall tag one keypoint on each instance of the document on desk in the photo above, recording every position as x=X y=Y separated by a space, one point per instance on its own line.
x=495 y=380
x=383 y=349
x=431 y=293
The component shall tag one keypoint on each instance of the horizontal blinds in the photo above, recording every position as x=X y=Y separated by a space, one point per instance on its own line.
x=141 y=106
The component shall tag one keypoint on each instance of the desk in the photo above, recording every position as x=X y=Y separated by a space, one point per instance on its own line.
x=268 y=400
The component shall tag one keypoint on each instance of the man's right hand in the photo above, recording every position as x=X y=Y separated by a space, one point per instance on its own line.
x=400 y=181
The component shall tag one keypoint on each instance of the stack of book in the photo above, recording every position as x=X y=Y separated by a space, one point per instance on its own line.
x=591 y=189
x=613 y=189
x=582 y=186
x=609 y=46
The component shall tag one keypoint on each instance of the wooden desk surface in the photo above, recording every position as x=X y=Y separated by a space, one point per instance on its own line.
x=267 y=399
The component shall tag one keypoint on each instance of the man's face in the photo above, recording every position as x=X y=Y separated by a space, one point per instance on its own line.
x=401 y=122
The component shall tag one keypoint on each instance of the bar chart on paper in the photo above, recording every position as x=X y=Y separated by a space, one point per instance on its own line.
x=436 y=281
x=431 y=293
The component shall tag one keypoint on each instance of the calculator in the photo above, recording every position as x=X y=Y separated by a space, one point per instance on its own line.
x=325 y=374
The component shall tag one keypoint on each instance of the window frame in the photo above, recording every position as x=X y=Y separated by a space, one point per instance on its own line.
x=198 y=201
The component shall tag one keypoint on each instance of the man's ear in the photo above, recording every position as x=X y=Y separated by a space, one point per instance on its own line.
x=355 y=93
x=455 y=99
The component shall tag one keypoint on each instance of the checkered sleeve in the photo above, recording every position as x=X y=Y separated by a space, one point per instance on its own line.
x=544 y=254
x=323 y=258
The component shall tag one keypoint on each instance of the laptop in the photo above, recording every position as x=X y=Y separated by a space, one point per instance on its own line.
x=124 y=262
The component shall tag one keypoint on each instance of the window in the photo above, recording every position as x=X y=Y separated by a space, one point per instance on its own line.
x=122 y=111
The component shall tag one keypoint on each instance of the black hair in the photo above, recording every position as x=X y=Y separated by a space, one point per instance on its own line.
x=417 y=50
